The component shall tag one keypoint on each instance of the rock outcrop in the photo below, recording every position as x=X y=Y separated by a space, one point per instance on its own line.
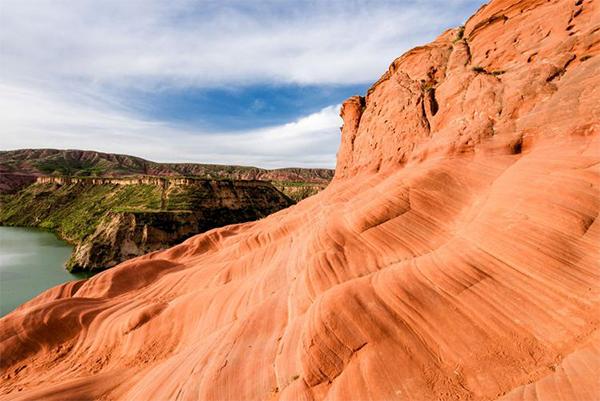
x=454 y=256
x=124 y=235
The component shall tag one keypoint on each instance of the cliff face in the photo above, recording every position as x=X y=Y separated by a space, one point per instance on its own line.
x=454 y=256
x=113 y=219
x=454 y=97
x=124 y=235
x=298 y=191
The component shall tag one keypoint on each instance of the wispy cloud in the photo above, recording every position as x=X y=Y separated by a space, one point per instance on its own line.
x=143 y=42
x=67 y=65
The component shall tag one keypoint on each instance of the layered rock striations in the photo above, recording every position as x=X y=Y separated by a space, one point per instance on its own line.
x=454 y=256
x=295 y=190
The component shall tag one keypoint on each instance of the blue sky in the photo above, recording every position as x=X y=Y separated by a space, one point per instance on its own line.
x=246 y=82
x=241 y=107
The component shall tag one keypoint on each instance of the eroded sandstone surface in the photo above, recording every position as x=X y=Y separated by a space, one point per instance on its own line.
x=454 y=256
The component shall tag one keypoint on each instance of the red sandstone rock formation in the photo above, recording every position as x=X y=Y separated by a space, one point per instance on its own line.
x=455 y=255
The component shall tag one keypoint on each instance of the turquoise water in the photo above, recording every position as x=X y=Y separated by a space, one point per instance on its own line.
x=31 y=261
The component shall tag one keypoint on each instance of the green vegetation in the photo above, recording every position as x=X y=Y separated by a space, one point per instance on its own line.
x=74 y=211
x=69 y=168
x=459 y=34
x=188 y=197
x=81 y=212
x=297 y=191
x=292 y=184
x=480 y=70
x=427 y=86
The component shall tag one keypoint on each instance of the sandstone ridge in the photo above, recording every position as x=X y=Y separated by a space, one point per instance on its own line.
x=454 y=256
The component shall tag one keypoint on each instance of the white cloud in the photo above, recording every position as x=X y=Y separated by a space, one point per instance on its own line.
x=154 y=42
x=62 y=62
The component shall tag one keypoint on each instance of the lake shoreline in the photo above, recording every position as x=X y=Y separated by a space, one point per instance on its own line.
x=32 y=260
